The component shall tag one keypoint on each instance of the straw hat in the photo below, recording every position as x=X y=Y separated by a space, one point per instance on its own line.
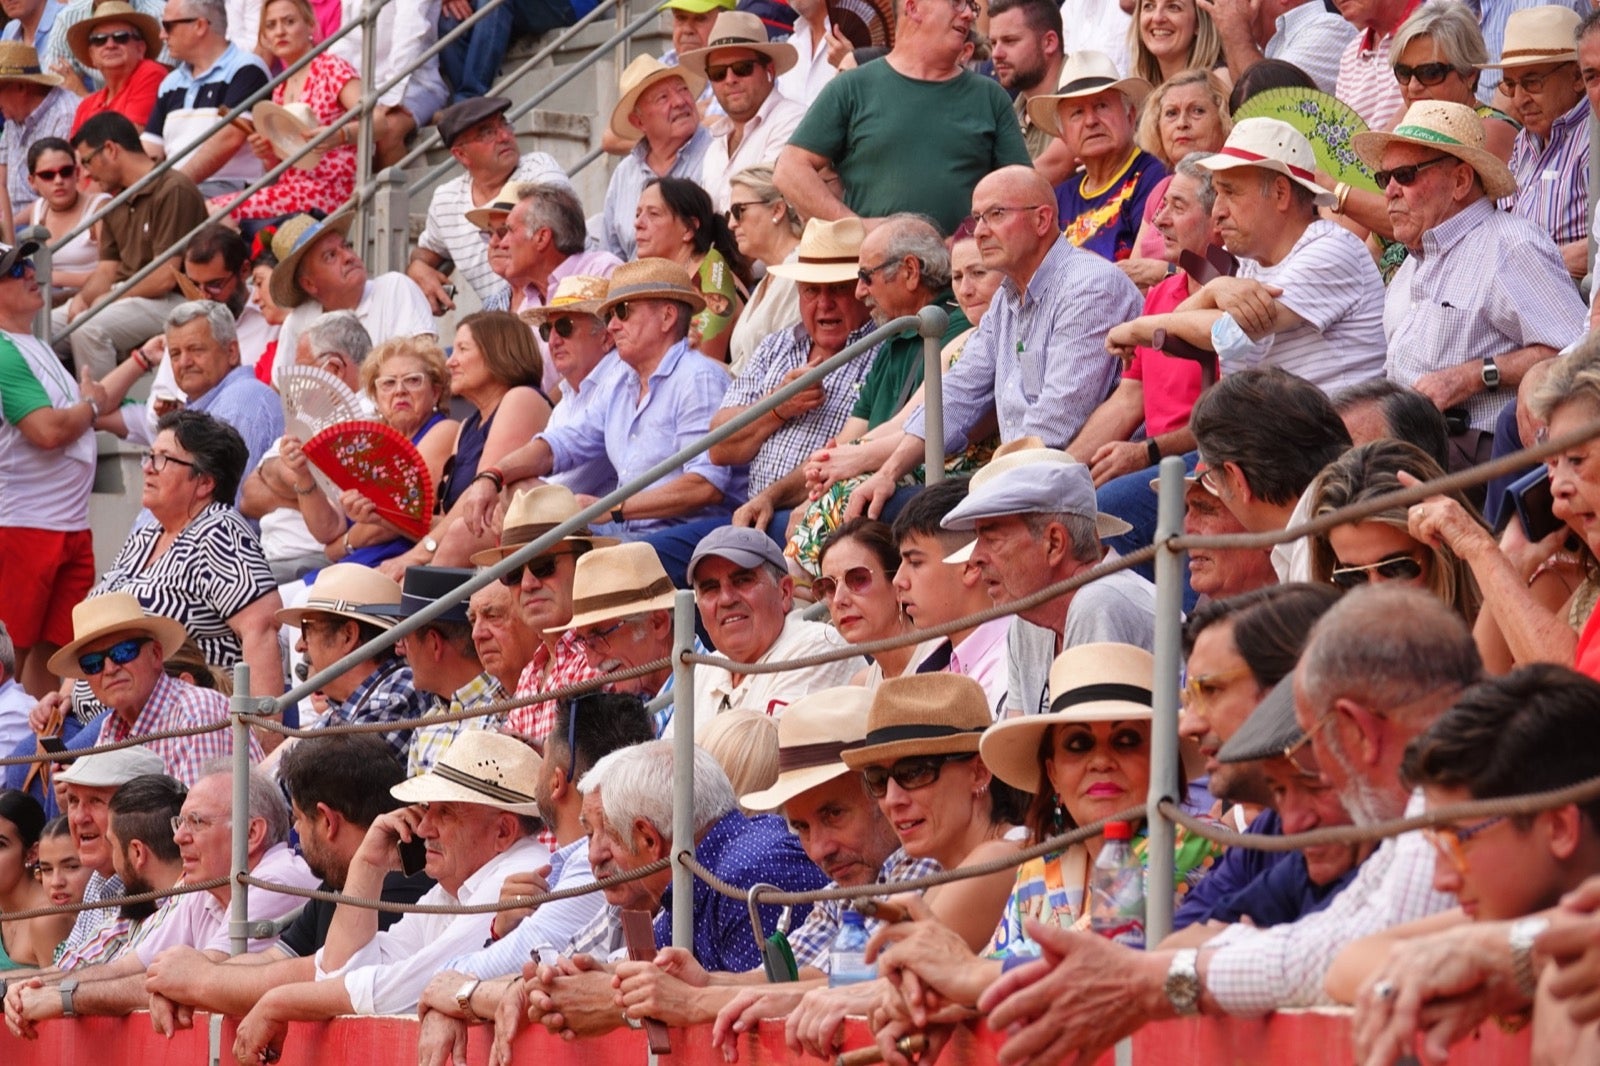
x=19 y=62
x=503 y=202
x=1537 y=35
x=618 y=581
x=1084 y=74
x=289 y=246
x=533 y=513
x=740 y=29
x=1088 y=683
x=1274 y=145
x=114 y=11
x=346 y=590
x=1450 y=128
x=114 y=612
x=575 y=294
x=639 y=75
x=651 y=279
x=830 y=252
x=813 y=733
x=285 y=128
x=1028 y=480
x=923 y=714
x=480 y=766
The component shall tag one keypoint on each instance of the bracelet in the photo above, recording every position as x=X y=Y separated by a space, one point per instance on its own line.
x=1153 y=451
x=493 y=475
x=94 y=408
x=347 y=549
x=144 y=363
x=1341 y=193
x=298 y=491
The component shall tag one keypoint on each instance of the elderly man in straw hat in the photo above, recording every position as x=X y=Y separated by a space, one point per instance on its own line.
x=656 y=113
x=120 y=43
x=1307 y=297
x=34 y=106
x=543 y=590
x=1483 y=295
x=475 y=811
x=583 y=357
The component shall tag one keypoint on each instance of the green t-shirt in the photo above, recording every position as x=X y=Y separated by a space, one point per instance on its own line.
x=900 y=144
x=21 y=394
x=897 y=370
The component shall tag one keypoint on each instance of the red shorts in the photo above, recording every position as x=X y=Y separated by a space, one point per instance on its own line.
x=44 y=574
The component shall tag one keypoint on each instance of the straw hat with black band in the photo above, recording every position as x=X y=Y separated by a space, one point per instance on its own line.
x=740 y=29
x=1085 y=73
x=480 y=766
x=290 y=244
x=829 y=253
x=813 y=734
x=924 y=714
x=108 y=615
x=618 y=581
x=1535 y=35
x=113 y=11
x=20 y=63
x=533 y=513
x=498 y=209
x=639 y=75
x=652 y=278
x=347 y=590
x=1453 y=129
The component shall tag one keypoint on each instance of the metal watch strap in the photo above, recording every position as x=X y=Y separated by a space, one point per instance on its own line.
x=67 y=988
x=1522 y=935
x=464 y=998
x=1183 y=983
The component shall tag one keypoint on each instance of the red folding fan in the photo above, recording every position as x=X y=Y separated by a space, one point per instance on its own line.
x=382 y=465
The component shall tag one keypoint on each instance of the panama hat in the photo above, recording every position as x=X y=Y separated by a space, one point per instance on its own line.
x=1535 y=35
x=576 y=294
x=19 y=62
x=286 y=127
x=1084 y=73
x=1450 y=128
x=1274 y=145
x=346 y=590
x=113 y=11
x=114 y=612
x=533 y=513
x=829 y=252
x=503 y=202
x=651 y=279
x=740 y=29
x=923 y=714
x=290 y=244
x=639 y=75
x=480 y=766
x=618 y=581
x=813 y=733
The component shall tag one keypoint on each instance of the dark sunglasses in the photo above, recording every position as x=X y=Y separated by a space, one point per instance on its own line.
x=1429 y=74
x=737 y=209
x=1394 y=568
x=114 y=37
x=1407 y=175
x=919 y=771
x=20 y=269
x=620 y=311
x=542 y=568
x=122 y=653
x=858 y=579
x=561 y=327
x=68 y=171
x=171 y=24
x=742 y=69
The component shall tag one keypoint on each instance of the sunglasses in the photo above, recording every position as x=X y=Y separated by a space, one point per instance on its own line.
x=542 y=568
x=858 y=579
x=114 y=37
x=122 y=653
x=213 y=288
x=736 y=210
x=20 y=269
x=171 y=24
x=919 y=771
x=1448 y=840
x=741 y=69
x=67 y=172
x=561 y=327
x=1392 y=568
x=1429 y=74
x=1407 y=175
x=866 y=274
x=620 y=311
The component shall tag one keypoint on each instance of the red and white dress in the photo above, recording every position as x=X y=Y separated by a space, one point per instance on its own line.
x=333 y=180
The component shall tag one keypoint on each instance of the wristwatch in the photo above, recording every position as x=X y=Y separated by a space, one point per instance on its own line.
x=430 y=544
x=616 y=514
x=1522 y=935
x=464 y=997
x=67 y=988
x=1491 y=373
x=1183 y=983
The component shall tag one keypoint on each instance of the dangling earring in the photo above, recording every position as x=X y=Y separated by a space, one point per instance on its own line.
x=1058 y=816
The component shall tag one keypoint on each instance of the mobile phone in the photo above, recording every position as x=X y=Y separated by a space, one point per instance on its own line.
x=413 y=856
x=53 y=745
x=1530 y=495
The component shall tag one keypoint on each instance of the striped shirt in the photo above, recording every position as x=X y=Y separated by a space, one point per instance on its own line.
x=1553 y=176
x=1483 y=283
x=1039 y=358
x=1367 y=82
x=430 y=742
x=1313 y=39
x=630 y=178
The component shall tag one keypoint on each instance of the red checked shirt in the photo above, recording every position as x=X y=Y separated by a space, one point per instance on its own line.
x=175 y=704
x=567 y=665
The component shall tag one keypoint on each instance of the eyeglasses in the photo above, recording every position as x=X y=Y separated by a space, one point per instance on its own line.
x=1200 y=689
x=741 y=69
x=995 y=215
x=66 y=173
x=598 y=638
x=114 y=37
x=1210 y=479
x=20 y=269
x=858 y=579
x=171 y=24
x=620 y=311
x=84 y=161
x=155 y=462
x=562 y=327
x=214 y=288
x=1429 y=74
x=1407 y=175
x=542 y=568
x=1530 y=83
x=1391 y=568
x=195 y=822
x=865 y=274
x=1448 y=839
x=919 y=771
x=487 y=131
x=499 y=233
x=1292 y=752
x=122 y=653
x=736 y=210
x=409 y=382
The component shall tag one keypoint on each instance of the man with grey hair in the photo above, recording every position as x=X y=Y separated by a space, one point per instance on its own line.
x=538 y=241
x=212 y=74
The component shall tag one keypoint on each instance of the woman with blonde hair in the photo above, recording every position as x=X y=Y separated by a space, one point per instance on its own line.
x=1167 y=36
x=767 y=229
x=745 y=745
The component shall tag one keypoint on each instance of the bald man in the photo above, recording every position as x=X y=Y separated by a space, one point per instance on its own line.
x=1044 y=371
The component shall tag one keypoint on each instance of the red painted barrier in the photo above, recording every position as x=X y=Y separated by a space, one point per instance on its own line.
x=1305 y=1039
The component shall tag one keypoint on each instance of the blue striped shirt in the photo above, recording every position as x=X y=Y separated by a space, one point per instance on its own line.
x=1553 y=176
x=1492 y=15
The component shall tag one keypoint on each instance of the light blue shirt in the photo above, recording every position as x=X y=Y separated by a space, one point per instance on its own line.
x=249 y=407
x=552 y=925
x=628 y=181
x=596 y=477
x=41 y=32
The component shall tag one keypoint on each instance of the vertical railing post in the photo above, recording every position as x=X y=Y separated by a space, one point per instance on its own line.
x=41 y=264
x=934 y=321
x=391 y=222
x=1594 y=189
x=682 y=768
x=239 y=905
x=369 y=101
x=1164 y=727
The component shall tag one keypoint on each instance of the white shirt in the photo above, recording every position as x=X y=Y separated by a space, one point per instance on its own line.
x=764 y=137
x=391 y=306
x=1292 y=560
x=803 y=81
x=715 y=690
x=1099 y=25
x=404 y=31
x=43 y=488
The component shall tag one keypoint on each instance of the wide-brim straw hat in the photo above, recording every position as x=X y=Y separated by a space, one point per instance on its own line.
x=531 y=514
x=575 y=294
x=1537 y=35
x=830 y=252
x=740 y=29
x=618 y=581
x=813 y=733
x=1454 y=129
x=346 y=590
x=285 y=127
x=114 y=612
x=1084 y=73
x=290 y=244
x=923 y=714
x=19 y=62
x=1271 y=144
x=502 y=204
x=480 y=766
x=639 y=75
x=114 y=11
x=651 y=279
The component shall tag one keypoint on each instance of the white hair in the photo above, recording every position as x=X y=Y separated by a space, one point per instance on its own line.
x=636 y=782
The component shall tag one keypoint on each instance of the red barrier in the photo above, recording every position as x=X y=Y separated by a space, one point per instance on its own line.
x=1306 y=1039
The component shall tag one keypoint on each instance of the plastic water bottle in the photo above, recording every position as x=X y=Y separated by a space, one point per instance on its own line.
x=1116 y=906
x=847 y=963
